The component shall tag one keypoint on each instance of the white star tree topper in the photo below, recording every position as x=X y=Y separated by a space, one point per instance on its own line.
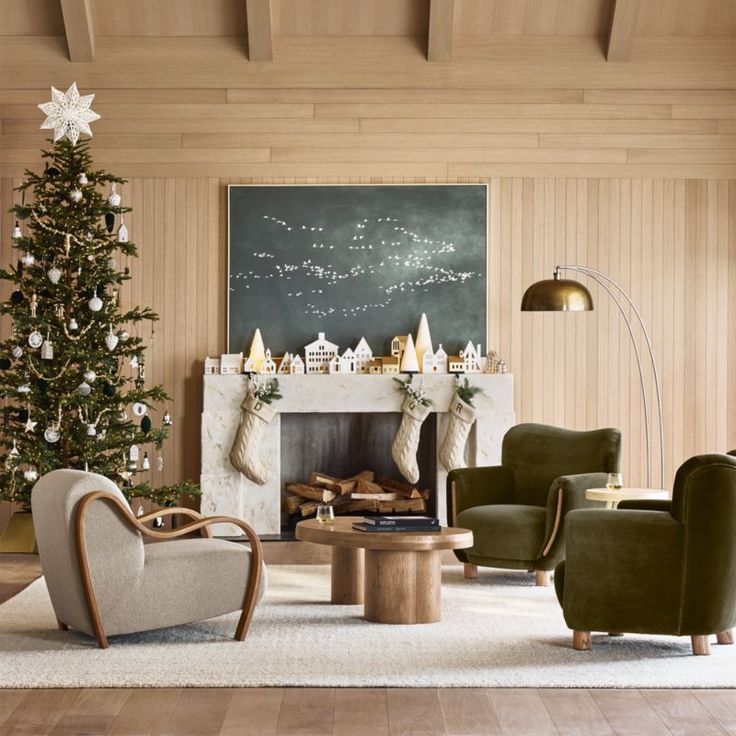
x=68 y=114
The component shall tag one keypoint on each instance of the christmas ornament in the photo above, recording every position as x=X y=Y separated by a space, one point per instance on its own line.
x=132 y=466
x=73 y=324
x=23 y=415
x=91 y=430
x=146 y=425
x=134 y=361
x=160 y=463
x=124 y=336
x=31 y=474
x=95 y=303
x=27 y=259
x=17 y=232
x=68 y=114
x=114 y=296
x=166 y=419
x=139 y=409
x=30 y=425
x=84 y=389
x=35 y=339
x=33 y=305
x=122 y=231
x=42 y=385
x=146 y=464
x=83 y=178
x=112 y=264
x=59 y=310
x=123 y=416
x=54 y=274
x=17 y=351
x=158 y=522
x=51 y=434
x=24 y=388
x=140 y=512
x=108 y=389
x=89 y=376
x=75 y=195
x=134 y=453
x=53 y=172
x=111 y=340
x=14 y=450
x=245 y=452
x=67 y=243
x=47 y=349
x=4 y=364
x=16 y=297
x=114 y=198
x=109 y=221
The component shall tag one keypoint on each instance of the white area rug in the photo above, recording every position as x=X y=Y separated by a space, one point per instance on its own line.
x=496 y=631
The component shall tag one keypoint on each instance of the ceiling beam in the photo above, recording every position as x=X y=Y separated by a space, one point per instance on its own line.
x=259 y=30
x=439 y=41
x=80 y=36
x=623 y=23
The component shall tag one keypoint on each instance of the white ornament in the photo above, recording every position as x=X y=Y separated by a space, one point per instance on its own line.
x=83 y=178
x=124 y=336
x=35 y=339
x=91 y=430
x=51 y=435
x=73 y=324
x=146 y=464
x=95 y=303
x=134 y=453
x=90 y=376
x=122 y=231
x=123 y=416
x=54 y=274
x=134 y=361
x=84 y=389
x=27 y=259
x=114 y=199
x=111 y=340
x=30 y=425
x=76 y=195
x=14 y=451
x=31 y=474
x=24 y=388
x=139 y=409
x=112 y=263
x=160 y=462
x=68 y=114
x=17 y=351
x=47 y=349
x=166 y=419
x=17 y=232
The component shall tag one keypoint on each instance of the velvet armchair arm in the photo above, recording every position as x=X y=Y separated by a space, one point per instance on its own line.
x=469 y=487
x=651 y=504
x=623 y=571
x=566 y=494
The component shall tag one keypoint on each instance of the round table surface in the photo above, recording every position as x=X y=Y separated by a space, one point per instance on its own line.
x=627 y=494
x=341 y=533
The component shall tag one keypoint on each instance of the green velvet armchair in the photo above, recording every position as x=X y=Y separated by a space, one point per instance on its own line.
x=517 y=510
x=657 y=567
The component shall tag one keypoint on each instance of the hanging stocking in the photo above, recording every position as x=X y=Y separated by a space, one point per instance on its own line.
x=406 y=442
x=462 y=416
x=245 y=452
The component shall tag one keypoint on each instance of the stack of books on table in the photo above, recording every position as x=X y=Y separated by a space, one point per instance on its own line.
x=389 y=524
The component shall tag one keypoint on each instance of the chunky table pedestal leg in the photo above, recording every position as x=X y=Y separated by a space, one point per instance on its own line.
x=347 y=575
x=402 y=587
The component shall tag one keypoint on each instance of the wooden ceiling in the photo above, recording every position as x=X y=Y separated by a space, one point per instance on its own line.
x=373 y=17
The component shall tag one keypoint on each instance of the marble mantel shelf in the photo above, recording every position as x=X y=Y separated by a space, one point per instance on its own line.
x=225 y=491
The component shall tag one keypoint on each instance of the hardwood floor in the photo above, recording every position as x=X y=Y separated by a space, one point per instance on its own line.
x=353 y=712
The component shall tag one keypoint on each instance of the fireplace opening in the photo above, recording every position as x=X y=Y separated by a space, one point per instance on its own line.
x=342 y=446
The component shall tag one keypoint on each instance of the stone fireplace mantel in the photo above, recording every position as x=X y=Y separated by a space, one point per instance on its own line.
x=226 y=491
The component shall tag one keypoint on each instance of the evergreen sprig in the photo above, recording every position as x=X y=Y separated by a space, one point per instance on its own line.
x=417 y=392
x=466 y=391
x=268 y=391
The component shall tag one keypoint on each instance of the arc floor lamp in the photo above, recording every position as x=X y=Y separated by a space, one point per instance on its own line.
x=565 y=295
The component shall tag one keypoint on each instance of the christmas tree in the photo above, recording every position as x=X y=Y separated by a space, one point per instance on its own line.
x=71 y=400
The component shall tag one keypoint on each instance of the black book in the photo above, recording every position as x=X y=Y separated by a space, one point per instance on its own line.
x=401 y=521
x=394 y=528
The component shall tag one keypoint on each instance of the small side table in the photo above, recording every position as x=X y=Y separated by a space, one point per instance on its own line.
x=612 y=498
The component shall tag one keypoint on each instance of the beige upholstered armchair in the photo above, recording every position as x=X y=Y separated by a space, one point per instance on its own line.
x=103 y=580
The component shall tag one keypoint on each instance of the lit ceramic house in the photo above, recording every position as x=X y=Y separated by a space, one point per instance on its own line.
x=390 y=365
x=375 y=367
x=318 y=354
x=211 y=366
x=434 y=362
x=296 y=365
x=231 y=363
x=333 y=366
x=398 y=343
x=472 y=358
x=347 y=361
x=363 y=355
x=284 y=365
x=249 y=366
x=455 y=363
x=268 y=366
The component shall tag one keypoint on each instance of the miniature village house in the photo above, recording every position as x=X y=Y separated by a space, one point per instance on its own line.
x=268 y=366
x=211 y=366
x=398 y=344
x=363 y=355
x=296 y=366
x=375 y=367
x=231 y=363
x=284 y=364
x=435 y=362
x=318 y=354
x=472 y=358
x=390 y=365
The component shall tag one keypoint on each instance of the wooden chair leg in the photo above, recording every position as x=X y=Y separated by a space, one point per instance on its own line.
x=725 y=637
x=62 y=626
x=700 y=644
x=542 y=577
x=581 y=640
x=470 y=571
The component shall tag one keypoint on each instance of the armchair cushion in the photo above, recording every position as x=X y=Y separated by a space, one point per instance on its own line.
x=505 y=531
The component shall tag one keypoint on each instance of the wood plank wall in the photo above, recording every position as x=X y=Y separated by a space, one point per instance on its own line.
x=638 y=182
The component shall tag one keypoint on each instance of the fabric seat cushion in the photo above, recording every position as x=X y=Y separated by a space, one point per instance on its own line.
x=505 y=531
x=183 y=580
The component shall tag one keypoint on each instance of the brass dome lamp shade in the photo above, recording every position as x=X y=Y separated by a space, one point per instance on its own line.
x=565 y=295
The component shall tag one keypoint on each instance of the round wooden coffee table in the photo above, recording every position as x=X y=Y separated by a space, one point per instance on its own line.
x=615 y=496
x=397 y=575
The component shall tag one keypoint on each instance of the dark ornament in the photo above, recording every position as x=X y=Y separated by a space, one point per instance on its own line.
x=23 y=213
x=126 y=271
x=108 y=389
x=4 y=364
x=23 y=415
x=146 y=424
x=158 y=522
x=17 y=297
x=110 y=221
x=52 y=171
x=43 y=385
x=19 y=268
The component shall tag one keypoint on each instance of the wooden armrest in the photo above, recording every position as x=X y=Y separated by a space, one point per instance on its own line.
x=199 y=522
x=170 y=511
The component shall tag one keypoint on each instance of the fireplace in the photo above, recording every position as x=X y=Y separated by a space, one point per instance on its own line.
x=330 y=415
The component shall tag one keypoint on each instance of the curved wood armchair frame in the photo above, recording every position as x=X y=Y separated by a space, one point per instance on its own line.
x=200 y=523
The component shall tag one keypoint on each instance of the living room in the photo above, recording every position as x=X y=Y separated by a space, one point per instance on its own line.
x=368 y=367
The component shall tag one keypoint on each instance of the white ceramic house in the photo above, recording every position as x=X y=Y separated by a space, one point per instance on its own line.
x=435 y=362
x=363 y=356
x=285 y=365
x=268 y=367
x=347 y=361
x=333 y=366
x=211 y=366
x=472 y=360
x=249 y=366
x=318 y=354
x=231 y=363
x=296 y=366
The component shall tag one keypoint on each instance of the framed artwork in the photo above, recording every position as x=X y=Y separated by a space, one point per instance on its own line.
x=356 y=261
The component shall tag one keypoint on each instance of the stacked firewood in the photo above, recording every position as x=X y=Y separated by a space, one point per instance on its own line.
x=359 y=493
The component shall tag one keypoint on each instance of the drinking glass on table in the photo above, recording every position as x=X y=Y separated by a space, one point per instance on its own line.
x=614 y=481
x=325 y=514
